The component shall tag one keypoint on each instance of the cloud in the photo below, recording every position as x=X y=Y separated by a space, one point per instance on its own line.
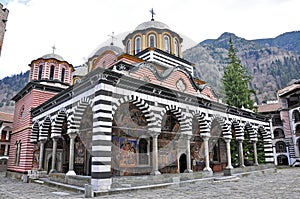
x=77 y=27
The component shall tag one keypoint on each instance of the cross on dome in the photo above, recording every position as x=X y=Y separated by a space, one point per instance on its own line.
x=53 y=49
x=152 y=12
x=112 y=35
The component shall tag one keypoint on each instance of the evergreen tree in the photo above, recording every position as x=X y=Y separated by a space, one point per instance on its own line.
x=235 y=82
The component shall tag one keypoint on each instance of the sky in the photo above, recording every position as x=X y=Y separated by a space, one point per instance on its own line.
x=78 y=27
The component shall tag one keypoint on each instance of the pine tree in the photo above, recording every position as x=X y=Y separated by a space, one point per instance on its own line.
x=236 y=81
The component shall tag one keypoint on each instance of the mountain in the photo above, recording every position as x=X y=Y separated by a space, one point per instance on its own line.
x=272 y=63
x=289 y=41
x=9 y=87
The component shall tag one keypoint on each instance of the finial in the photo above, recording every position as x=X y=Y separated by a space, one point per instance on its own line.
x=112 y=38
x=152 y=13
x=53 y=49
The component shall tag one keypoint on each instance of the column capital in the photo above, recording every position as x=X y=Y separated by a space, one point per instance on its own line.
x=55 y=138
x=72 y=135
x=43 y=141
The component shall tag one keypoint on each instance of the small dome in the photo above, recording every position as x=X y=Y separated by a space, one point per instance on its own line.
x=55 y=56
x=152 y=24
x=115 y=49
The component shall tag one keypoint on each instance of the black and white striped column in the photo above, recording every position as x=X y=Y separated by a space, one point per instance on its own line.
x=101 y=142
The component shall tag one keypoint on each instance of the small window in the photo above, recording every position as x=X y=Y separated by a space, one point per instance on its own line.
x=52 y=68
x=18 y=152
x=296 y=116
x=129 y=47
x=280 y=147
x=137 y=45
x=176 y=48
x=3 y=135
x=151 y=40
x=167 y=44
x=40 y=72
x=22 y=112
x=278 y=133
x=63 y=71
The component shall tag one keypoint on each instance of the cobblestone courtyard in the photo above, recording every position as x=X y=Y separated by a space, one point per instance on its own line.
x=283 y=184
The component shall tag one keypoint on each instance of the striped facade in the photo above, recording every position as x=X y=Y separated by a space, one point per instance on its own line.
x=105 y=97
x=163 y=91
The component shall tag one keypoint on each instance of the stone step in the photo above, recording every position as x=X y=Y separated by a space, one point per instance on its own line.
x=226 y=179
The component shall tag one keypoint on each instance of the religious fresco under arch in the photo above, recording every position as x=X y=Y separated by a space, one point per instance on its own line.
x=129 y=124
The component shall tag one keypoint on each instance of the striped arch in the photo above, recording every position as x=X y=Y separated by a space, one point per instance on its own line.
x=267 y=140
x=75 y=117
x=252 y=133
x=142 y=105
x=203 y=123
x=44 y=128
x=58 y=122
x=34 y=137
x=184 y=124
x=225 y=125
x=239 y=133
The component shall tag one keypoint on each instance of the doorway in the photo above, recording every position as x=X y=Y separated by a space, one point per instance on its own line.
x=182 y=163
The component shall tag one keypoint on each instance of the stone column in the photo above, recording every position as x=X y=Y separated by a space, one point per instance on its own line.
x=229 y=166
x=155 y=157
x=228 y=170
x=206 y=152
x=53 y=169
x=255 y=153
x=241 y=153
x=71 y=158
x=41 y=159
x=188 y=155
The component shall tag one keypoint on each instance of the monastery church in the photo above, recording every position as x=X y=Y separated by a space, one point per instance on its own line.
x=131 y=111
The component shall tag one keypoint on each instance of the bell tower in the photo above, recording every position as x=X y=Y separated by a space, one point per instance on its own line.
x=3 y=20
x=49 y=75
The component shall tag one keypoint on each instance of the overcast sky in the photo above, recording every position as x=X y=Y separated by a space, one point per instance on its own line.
x=78 y=27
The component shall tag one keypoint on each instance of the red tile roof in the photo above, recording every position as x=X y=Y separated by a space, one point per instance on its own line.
x=288 y=89
x=268 y=107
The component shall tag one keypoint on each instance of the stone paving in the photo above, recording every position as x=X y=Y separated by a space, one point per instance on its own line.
x=283 y=184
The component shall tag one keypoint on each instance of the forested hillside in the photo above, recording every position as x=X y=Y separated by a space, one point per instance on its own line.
x=271 y=66
x=9 y=86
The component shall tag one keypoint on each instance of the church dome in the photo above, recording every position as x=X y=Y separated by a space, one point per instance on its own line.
x=55 y=56
x=152 y=24
x=113 y=48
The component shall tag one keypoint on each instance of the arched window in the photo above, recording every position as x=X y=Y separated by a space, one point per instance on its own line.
x=176 y=48
x=298 y=130
x=63 y=71
x=143 y=151
x=278 y=133
x=276 y=120
x=280 y=147
x=167 y=43
x=18 y=152
x=137 y=45
x=40 y=72
x=52 y=68
x=128 y=47
x=22 y=112
x=296 y=116
x=151 y=40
